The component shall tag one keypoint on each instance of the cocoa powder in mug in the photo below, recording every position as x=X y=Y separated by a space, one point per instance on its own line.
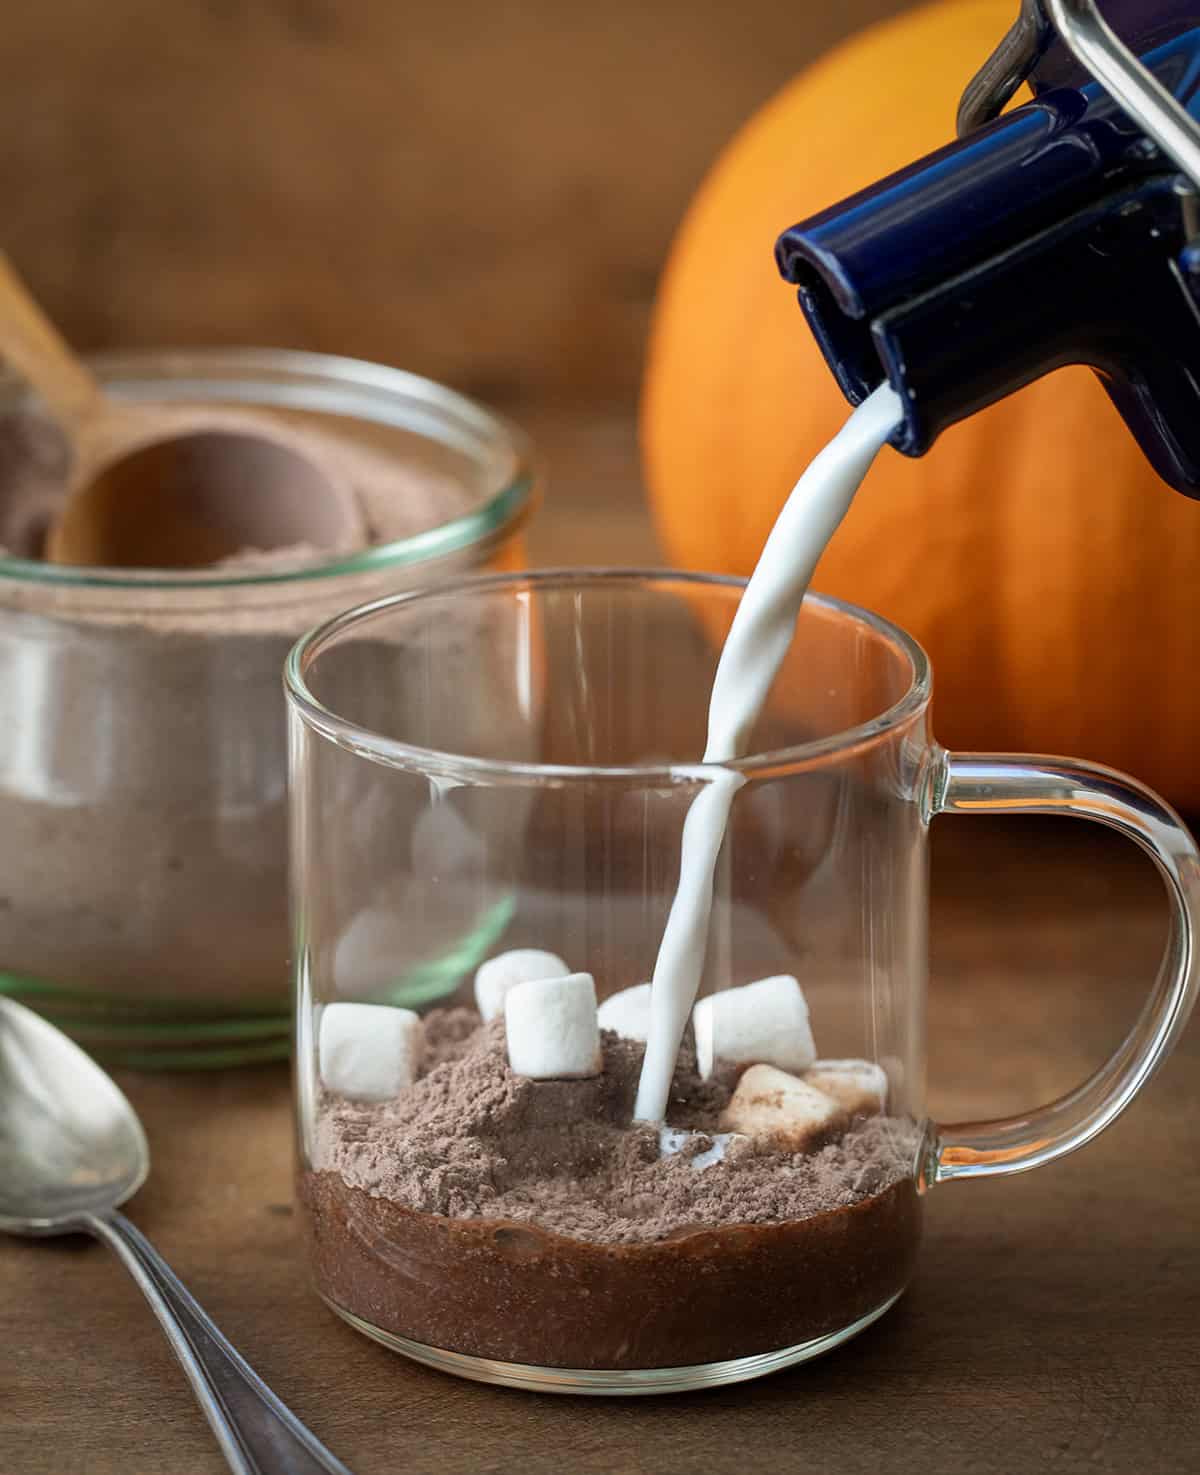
x=473 y=1139
x=489 y=1214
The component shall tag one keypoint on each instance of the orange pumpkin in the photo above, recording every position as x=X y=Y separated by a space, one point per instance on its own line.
x=1054 y=580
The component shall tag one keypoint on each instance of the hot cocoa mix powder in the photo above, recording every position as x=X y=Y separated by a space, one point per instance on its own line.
x=142 y=789
x=529 y=1221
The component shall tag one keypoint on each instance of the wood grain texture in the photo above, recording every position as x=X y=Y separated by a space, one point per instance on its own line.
x=481 y=192
x=1054 y=1323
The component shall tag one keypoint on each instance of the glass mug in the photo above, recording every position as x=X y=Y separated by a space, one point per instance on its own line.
x=506 y=764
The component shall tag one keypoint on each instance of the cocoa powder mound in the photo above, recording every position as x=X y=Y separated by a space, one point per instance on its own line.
x=472 y=1140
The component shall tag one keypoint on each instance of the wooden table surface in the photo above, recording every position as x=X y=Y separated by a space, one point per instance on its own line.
x=1054 y=1323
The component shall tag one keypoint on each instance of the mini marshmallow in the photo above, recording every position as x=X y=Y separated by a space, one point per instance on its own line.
x=552 y=1030
x=859 y=1087
x=763 y=1023
x=770 y=1103
x=672 y=1141
x=494 y=978
x=628 y=1012
x=369 y=1052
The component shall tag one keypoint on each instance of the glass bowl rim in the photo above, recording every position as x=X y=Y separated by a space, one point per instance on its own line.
x=503 y=508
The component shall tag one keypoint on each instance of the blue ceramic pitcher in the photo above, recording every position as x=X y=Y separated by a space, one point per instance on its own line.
x=1065 y=231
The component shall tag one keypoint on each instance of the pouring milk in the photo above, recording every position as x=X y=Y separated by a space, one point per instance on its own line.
x=754 y=650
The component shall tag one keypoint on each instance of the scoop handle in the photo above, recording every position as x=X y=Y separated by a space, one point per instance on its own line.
x=258 y=1434
x=33 y=346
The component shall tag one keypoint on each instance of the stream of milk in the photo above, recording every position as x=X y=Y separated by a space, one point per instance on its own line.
x=754 y=650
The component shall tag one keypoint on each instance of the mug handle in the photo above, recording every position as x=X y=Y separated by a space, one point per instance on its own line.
x=999 y=783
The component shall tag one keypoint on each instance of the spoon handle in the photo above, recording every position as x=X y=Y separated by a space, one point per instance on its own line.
x=32 y=345
x=257 y=1433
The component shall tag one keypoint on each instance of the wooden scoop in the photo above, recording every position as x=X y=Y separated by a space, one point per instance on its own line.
x=142 y=496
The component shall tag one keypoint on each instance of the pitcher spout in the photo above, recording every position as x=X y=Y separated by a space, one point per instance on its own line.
x=1057 y=234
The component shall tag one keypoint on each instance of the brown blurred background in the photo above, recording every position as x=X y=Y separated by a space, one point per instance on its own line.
x=480 y=192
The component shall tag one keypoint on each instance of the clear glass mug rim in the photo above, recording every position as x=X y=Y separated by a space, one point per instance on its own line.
x=505 y=505
x=393 y=753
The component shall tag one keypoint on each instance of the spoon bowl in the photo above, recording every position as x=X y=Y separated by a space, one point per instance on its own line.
x=70 y=1143
x=72 y=1150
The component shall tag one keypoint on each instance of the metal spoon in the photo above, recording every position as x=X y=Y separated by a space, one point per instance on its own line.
x=71 y=1150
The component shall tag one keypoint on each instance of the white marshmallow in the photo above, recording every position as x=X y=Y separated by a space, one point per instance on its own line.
x=672 y=1140
x=770 y=1103
x=494 y=978
x=763 y=1023
x=628 y=1012
x=369 y=1052
x=859 y=1087
x=551 y=1028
